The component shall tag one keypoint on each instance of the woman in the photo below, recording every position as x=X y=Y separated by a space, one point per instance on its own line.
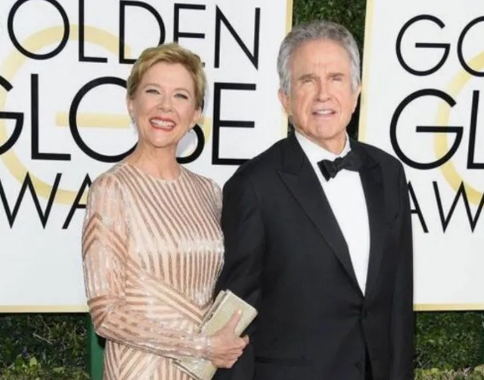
x=152 y=245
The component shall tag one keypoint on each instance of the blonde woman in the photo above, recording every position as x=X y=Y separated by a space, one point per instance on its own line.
x=152 y=243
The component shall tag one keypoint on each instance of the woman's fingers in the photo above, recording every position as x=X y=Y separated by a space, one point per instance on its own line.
x=245 y=339
x=233 y=322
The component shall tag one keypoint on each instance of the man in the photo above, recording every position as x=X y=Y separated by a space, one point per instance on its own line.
x=321 y=245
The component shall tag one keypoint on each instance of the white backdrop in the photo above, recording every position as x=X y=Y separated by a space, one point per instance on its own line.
x=413 y=77
x=63 y=118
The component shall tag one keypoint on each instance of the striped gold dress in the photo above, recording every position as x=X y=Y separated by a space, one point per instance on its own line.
x=152 y=251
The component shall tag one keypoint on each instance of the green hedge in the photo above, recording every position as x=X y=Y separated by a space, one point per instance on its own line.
x=33 y=345
x=452 y=340
x=32 y=369
x=436 y=374
x=43 y=346
x=350 y=13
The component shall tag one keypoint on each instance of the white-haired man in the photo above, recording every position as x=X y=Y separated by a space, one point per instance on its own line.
x=318 y=232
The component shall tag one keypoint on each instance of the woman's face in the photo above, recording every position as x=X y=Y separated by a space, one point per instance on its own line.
x=164 y=105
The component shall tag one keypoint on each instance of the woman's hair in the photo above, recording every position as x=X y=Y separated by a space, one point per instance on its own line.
x=169 y=53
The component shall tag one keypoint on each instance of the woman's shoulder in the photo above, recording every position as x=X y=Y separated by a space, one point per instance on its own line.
x=199 y=178
x=109 y=179
x=202 y=181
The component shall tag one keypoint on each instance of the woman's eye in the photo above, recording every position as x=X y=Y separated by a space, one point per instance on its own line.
x=152 y=91
x=181 y=96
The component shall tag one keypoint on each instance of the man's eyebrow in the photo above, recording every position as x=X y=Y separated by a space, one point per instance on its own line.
x=306 y=76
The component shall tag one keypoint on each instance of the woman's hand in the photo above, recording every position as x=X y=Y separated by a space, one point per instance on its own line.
x=225 y=346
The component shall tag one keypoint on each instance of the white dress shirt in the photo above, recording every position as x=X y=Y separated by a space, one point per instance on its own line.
x=347 y=200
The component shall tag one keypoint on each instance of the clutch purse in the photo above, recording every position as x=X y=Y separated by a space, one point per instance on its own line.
x=225 y=305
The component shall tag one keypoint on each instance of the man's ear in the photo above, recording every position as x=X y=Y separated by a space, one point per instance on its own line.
x=285 y=101
x=356 y=94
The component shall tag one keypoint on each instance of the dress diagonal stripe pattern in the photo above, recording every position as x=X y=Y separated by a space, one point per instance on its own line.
x=152 y=251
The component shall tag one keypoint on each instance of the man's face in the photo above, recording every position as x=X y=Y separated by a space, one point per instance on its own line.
x=321 y=99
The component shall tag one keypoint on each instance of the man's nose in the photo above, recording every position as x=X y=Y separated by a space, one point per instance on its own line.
x=322 y=91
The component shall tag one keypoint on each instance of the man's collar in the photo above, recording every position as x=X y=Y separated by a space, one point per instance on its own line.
x=316 y=153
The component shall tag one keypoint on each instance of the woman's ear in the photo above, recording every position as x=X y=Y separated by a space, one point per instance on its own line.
x=196 y=116
x=130 y=106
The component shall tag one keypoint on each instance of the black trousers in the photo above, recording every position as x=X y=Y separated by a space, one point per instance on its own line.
x=368 y=372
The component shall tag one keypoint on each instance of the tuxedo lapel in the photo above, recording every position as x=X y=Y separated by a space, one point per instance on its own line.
x=372 y=182
x=301 y=181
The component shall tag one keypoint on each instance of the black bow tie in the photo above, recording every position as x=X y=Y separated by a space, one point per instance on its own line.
x=349 y=162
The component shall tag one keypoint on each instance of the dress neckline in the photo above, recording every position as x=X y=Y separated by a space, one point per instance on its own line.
x=152 y=177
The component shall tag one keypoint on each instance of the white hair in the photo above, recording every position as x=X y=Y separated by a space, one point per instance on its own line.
x=317 y=30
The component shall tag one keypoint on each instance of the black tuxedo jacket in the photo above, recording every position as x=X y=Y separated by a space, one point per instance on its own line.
x=286 y=255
